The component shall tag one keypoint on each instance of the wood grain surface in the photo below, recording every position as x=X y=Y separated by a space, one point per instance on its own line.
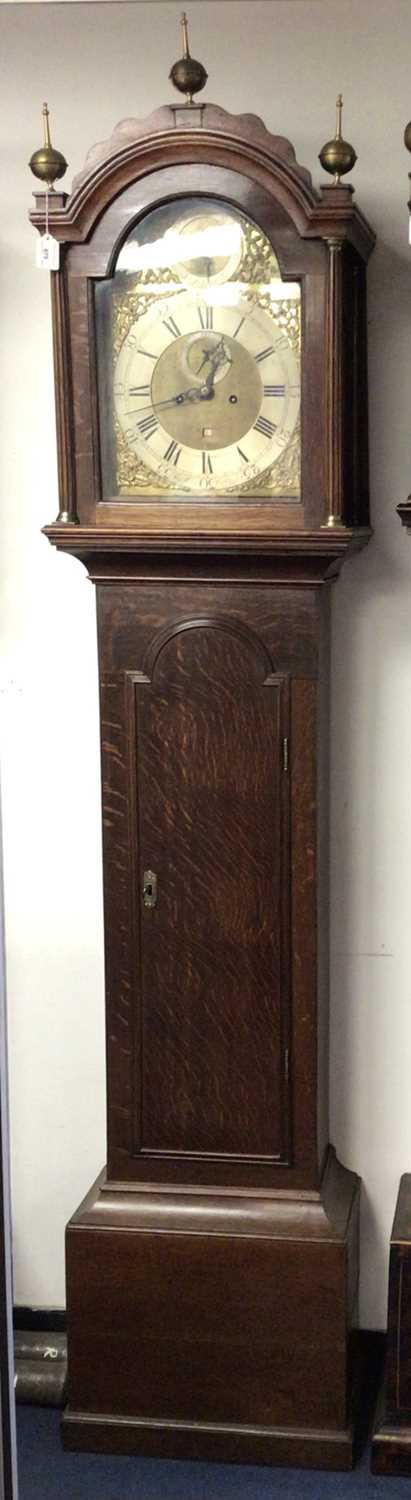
x=213 y=1324
x=211 y=996
x=212 y=800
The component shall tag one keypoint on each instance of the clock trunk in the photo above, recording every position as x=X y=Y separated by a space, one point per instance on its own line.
x=212 y=1269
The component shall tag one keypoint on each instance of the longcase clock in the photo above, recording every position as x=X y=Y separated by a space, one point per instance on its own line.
x=210 y=358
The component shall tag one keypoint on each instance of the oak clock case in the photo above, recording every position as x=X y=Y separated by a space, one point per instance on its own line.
x=210 y=357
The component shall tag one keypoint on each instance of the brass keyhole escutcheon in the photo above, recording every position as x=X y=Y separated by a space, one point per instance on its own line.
x=149 y=888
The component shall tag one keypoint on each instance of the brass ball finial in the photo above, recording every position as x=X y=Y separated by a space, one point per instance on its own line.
x=337 y=156
x=407 y=136
x=187 y=75
x=47 y=163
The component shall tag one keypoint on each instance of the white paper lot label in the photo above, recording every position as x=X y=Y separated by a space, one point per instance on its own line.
x=47 y=253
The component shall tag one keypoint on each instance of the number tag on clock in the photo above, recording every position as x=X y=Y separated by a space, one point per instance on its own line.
x=47 y=253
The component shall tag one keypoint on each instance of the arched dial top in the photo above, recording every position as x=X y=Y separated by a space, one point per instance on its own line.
x=198 y=343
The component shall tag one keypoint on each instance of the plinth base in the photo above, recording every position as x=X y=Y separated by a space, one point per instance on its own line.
x=215 y=1325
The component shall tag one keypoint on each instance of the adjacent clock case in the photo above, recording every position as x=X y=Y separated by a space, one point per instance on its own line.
x=212 y=1270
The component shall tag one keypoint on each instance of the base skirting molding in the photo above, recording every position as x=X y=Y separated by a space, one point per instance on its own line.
x=219 y=1443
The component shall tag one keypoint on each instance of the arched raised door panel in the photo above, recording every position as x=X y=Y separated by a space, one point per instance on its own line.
x=209 y=793
x=208 y=712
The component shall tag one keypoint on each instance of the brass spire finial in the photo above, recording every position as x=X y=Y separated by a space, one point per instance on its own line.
x=184 y=28
x=187 y=75
x=47 y=163
x=337 y=156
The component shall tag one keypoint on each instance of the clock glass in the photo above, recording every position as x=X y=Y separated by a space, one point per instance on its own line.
x=198 y=356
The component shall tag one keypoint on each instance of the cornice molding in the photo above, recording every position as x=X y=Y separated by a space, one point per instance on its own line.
x=204 y=118
x=179 y=135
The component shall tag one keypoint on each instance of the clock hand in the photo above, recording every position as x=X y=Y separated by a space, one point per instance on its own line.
x=217 y=354
x=206 y=353
x=220 y=355
x=194 y=393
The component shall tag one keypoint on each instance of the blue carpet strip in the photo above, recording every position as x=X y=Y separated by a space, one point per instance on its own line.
x=46 y=1473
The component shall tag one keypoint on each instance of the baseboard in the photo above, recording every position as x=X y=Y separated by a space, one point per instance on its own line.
x=40 y=1319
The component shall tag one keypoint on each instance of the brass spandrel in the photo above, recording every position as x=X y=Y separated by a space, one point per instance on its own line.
x=130 y=304
x=282 y=479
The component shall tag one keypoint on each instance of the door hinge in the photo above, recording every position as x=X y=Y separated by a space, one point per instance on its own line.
x=285 y=754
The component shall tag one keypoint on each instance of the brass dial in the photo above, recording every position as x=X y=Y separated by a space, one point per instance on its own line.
x=203 y=393
x=207 y=394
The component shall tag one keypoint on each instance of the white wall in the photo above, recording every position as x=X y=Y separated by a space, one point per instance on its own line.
x=286 y=59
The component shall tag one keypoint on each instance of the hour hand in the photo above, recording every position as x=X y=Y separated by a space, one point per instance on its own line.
x=215 y=356
x=193 y=393
x=220 y=357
